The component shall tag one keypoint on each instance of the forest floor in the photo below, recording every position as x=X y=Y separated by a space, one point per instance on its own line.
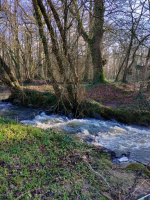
x=113 y=95
x=116 y=95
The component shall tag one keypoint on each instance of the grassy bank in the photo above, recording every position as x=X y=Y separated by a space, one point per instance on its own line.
x=42 y=164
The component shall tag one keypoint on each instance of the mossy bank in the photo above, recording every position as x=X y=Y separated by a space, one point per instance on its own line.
x=87 y=108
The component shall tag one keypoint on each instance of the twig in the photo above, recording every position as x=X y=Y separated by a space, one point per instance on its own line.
x=106 y=195
x=139 y=186
x=97 y=173
x=109 y=171
x=26 y=193
x=135 y=182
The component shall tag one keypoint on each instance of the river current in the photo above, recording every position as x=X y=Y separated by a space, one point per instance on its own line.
x=110 y=134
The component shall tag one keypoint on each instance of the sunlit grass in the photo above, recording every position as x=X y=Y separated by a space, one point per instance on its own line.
x=41 y=164
x=41 y=88
x=34 y=163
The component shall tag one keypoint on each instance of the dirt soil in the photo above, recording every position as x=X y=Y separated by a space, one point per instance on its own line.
x=121 y=95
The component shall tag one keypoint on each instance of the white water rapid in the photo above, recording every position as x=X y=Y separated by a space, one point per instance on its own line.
x=112 y=135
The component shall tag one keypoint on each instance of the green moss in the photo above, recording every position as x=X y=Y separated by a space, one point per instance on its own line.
x=127 y=91
x=136 y=166
x=91 y=107
x=132 y=116
x=35 y=98
x=122 y=114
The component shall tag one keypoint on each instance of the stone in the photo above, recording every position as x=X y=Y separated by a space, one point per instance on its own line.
x=49 y=111
x=97 y=116
x=80 y=117
x=123 y=159
x=119 y=159
x=61 y=112
x=6 y=100
x=41 y=111
x=17 y=101
x=71 y=116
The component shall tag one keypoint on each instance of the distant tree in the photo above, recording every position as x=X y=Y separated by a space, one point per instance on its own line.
x=132 y=28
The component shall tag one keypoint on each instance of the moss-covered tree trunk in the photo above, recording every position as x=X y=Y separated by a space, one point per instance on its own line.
x=94 y=42
x=38 y=17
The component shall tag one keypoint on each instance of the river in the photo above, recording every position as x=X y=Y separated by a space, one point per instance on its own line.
x=110 y=134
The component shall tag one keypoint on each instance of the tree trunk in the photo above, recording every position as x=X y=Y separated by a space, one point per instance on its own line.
x=16 y=41
x=40 y=66
x=148 y=85
x=95 y=43
x=7 y=76
x=87 y=66
x=144 y=74
x=124 y=79
x=55 y=49
x=45 y=45
x=88 y=53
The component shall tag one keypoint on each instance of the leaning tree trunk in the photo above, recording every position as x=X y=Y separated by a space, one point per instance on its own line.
x=45 y=46
x=124 y=79
x=7 y=76
x=16 y=41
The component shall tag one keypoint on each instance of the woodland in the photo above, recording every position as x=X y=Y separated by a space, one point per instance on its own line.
x=70 y=43
x=82 y=58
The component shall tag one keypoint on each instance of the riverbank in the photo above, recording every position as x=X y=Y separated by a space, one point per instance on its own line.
x=42 y=164
x=108 y=101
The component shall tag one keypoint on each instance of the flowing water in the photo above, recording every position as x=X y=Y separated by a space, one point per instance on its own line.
x=7 y=110
x=112 y=135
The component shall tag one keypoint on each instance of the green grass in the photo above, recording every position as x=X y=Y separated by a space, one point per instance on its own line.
x=36 y=164
x=41 y=164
